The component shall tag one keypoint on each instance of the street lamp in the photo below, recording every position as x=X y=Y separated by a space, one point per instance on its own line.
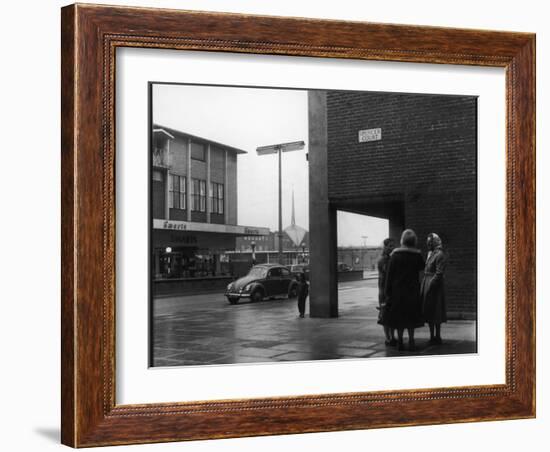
x=364 y=237
x=279 y=149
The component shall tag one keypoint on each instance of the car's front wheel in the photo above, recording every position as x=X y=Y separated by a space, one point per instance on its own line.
x=233 y=300
x=257 y=295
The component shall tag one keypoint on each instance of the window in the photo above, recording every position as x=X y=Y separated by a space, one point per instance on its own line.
x=198 y=151
x=275 y=273
x=199 y=195
x=216 y=198
x=285 y=272
x=178 y=189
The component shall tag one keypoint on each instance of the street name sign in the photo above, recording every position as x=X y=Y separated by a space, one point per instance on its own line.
x=370 y=135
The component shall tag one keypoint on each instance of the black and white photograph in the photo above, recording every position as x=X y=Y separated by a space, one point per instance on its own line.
x=275 y=226
x=302 y=225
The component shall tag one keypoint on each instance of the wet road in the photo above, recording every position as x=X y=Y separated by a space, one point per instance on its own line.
x=206 y=329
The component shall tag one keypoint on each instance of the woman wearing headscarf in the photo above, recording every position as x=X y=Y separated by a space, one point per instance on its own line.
x=434 y=308
x=403 y=288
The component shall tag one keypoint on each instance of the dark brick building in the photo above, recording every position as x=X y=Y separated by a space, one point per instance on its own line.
x=419 y=172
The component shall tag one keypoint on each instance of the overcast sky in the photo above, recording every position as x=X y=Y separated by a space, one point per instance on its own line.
x=247 y=118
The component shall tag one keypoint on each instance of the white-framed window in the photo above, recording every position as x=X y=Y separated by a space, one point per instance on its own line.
x=178 y=190
x=199 y=195
x=216 y=197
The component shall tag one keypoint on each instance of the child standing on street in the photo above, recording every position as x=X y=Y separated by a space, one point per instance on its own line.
x=303 y=291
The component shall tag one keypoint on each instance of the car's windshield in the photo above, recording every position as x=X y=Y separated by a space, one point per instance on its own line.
x=257 y=272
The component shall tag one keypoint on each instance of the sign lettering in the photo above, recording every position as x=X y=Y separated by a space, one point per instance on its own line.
x=370 y=135
x=174 y=226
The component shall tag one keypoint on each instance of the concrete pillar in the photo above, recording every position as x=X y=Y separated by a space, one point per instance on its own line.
x=225 y=190
x=323 y=295
x=208 y=179
x=188 y=179
x=167 y=182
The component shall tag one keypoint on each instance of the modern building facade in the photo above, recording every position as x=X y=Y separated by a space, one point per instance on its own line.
x=411 y=159
x=265 y=249
x=193 y=206
x=270 y=243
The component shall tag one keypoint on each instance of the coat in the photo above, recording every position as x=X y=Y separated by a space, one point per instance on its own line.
x=402 y=289
x=303 y=290
x=382 y=265
x=434 y=308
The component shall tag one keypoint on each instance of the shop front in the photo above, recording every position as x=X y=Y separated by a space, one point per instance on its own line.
x=190 y=257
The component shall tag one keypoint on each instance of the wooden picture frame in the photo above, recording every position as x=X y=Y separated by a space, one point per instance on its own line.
x=90 y=36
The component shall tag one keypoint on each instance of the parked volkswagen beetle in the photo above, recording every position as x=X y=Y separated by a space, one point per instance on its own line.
x=263 y=281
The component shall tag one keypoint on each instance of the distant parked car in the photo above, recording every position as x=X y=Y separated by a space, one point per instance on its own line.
x=263 y=281
x=343 y=267
x=297 y=269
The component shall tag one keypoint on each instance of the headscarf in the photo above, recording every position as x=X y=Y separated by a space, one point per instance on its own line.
x=438 y=243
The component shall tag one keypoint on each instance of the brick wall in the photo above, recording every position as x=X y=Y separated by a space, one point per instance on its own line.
x=425 y=163
x=217 y=165
x=217 y=218
x=178 y=155
x=178 y=214
x=198 y=169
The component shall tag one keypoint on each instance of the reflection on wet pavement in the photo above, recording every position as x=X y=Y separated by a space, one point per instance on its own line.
x=206 y=329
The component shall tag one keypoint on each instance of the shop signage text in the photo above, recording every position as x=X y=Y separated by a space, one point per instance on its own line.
x=174 y=226
x=188 y=239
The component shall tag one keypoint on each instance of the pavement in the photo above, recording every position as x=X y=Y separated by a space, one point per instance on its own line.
x=206 y=329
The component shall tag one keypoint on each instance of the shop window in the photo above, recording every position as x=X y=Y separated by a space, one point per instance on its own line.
x=216 y=198
x=178 y=189
x=199 y=195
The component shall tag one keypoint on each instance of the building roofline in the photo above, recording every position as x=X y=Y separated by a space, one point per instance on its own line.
x=198 y=138
x=160 y=129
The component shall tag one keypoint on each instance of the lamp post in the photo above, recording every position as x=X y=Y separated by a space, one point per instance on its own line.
x=253 y=246
x=279 y=149
x=364 y=237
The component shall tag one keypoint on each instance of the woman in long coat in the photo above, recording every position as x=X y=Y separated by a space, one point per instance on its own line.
x=403 y=288
x=434 y=308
